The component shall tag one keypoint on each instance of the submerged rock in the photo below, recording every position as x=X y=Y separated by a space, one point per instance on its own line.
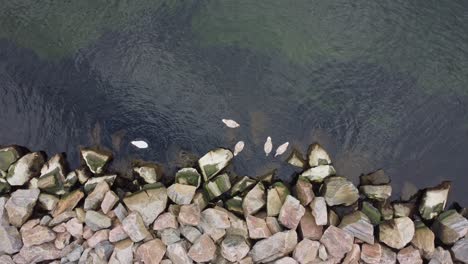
x=214 y=161
x=375 y=178
x=358 y=225
x=450 y=226
x=338 y=190
x=337 y=241
x=219 y=185
x=318 y=156
x=149 y=172
x=188 y=176
x=149 y=203
x=25 y=168
x=296 y=159
x=319 y=173
x=20 y=206
x=397 y=233
x=377 y=192
x=254 y=200
x=180 y=193
x=274 y=247
x=433 y=200
x=95 y=160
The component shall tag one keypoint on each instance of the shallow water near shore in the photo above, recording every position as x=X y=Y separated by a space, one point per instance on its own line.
x=379 y=85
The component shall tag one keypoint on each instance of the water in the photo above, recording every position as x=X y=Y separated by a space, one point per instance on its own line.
x=381 y=84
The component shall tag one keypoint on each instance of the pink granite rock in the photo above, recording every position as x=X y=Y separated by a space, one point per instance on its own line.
x=151 y=252
x=203 y=250
x=98 y=237
x=257 y=227
x=353 y=256
x=110 y=199
x=409 y=255
x=165 y=220
x=189 y=215
x=304 y=191
x=371 y=254
x=117 y=233
x=74 y=227
x=306 y=251
x=308 y=227
x=291 y=212
x=37 y=236
x=337 y=241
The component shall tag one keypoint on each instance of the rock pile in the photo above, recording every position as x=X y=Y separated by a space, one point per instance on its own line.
x=49 y=214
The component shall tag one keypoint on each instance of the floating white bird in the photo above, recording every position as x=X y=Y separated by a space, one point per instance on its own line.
x=238 y=147
x=281 y=149
x=140 y=144
x=230 y=123
x=268 y=146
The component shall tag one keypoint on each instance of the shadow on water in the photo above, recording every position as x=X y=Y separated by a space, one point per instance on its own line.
x=152 y=81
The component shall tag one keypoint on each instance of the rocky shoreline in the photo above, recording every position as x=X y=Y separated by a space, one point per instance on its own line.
x=50 y=214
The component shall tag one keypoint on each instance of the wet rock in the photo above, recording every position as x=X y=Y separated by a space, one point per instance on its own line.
x=37 y=235
x=39 y=253
x=148 y=203
x=372 y=213
x=216 y=187
x=376 y=192
x=181 y=194
x=291 y=212
x=151 y=252
x=8 y=156
x=234 y=248
x=123 y=253
x=450 y=226
x=108 y=202
x=304 y=192
x=433 y=200
x=135 y=227
x=93 y=182
x=98 y=237
x=68 y=202
x=254 y=201
x=95 y=160
x=25 y=168
x=273 y=225
x=460 y=250
x=274 y=247
x=353 y=256
x=441 y=256
x=408 y=192
x=203 y=250
x=165 y=220
x=150 y=173
x=20 y=205
x=371 y=254
x=423 y=240
x=319 y=173
x=359 y=226
x=214 y=161
x=94 y=199
x=296 y=159
x=409 y=255
x=10 y=240
x=318 y=156
x=319 y=210
x=234 y=205
x=306 y=251
x=97 y=221
x=189 y=215
x=403 y=209
x=338 y=190
x=337 y=241
x=242 y=185
x=308 y=227
x=188 y=176
x=177 y=253
x=75 y=228
x=47 y=201
x=396 y=233
x=257 y=227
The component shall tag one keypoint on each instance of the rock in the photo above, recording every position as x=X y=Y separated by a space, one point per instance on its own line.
x=189 y=215
x=273 y=225
x=217 y=186
x=97 y=221
x=75 y=228
x=337 y=241
x=433 y=200
x=234 y=205
x=47 y=201
x=120 y=212
x=376 y=192
x=460 y=250
x=319 y=210
x=409 y=255
x=304 y=192
x=388 y=256
x=306 y=251
x=353 y=256
x=188 y=176
x=95 y=160
x=151 y=252
x=285 y=260
x=403 y=209
x=150 y=173
x=117 y=234
x=377 y=177
x=52 y=179
x=177 y=253
x=450 y=226
x=254 y=201
x=201 y=199
x=291 y=213
x=216 y=218
x=10 y=240
x=37 y=235
x=25 y=168
x=109 y=201
x=181 y=194
x=148 y=203
x=275 y=198
x=39 y=253
x=296 y=159
x=234 y=248
x=5 y=259
x=94 y=199
x=322 y=253
x=20 y=205
x=61 y=218
x=441 y=256
x=214 y=161
x=190 y=233
x=123 y=253
x=318 y=156
x=257 y=227
x=4 y=186
x=359 y=226
x=68 y=202
x=338 y=190
x=274 y=247
x=423 y=240
x=308 y=227
x=8 y=156
x=62 y=240
x=333 y=218
x=92 y=183
x=169 y=236
x=408 y=192
x=242 y=185
x=165 y=220
x=386 y=210
x=319 y=173
x=203 y=250
x=45 y=220
x=135 y=227
x=396 y=233
x=104 y=250
x=98 y=237
x=371 y=254
x=372 y=213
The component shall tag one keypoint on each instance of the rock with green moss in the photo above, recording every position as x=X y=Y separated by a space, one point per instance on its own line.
x=401 y=209
x=217 y=186
x=339 y=191
x=450 y=226
x=181 y=193
x=254 y=200
x=91 y=183
x=25 y=168
x=433 y=200
x=53 y=176
x=318 y=156
x=149 y=202
x=235 y=204
x=149 y=172
x=296 y=159
x=96 y=160
x=372 y=213
x=8 y=156
x=358 y=225
x=244 y=184
x=188 y=176
x=214 y=161
x=319 y=173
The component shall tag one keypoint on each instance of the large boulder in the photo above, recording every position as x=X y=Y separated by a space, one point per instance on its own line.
x=274 y=247
x=339 y=191
x=359 y=226
x=149 y=203
x=337 y=241
x=214 y=161
x=397 y=233
x=433 y=200
x=318 y=156
x=26 y=168
x=450 y=226
x=20 y=206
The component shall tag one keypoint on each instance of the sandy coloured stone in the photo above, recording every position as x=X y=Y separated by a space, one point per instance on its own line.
x=20 y=205
x=371 y=254
x=110 y=199
x=25 y=168
x=150 y=173
x=254 y=200
x=123 y=252
x=149 y=203
x=291 y=212
x=5 y=259
x=94 y=199
x=304 y=192
x=423 y=240
x=37 y=235
x=169 y=236
x=203 y=250
x=177 y=253
x=234 y=248
x=68 y=202
x=135 y=227
x=274 y=202
x=98 y=237
x=217 y=218
x=306 y=251
x=189 y=215
x=359 y=226
x=376 y=192
x=337 y=241
x=214 y=161
x=10 y=240
x=285 y=260
x=401 y=209
x=339 y=191
x=74 y=227
x=397 y=233
x=180 y=193
x=409 y=255
x=353 y=256
x=96 y=160
x=319 y=173
x=165 y=220
x=460 y=250
x=433 y=200
x=318 y=208
x=308 y=227
x=97 y=221
x=273 y=225
x=117 y=233
x=257 y=227
x=450 y=226
x=441 y=256
x=274 y=247
x=318 y=156
x=90 y=184
x=47 y=201
x=151 y=252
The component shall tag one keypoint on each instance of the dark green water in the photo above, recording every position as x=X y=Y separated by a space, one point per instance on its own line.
x=381 y=84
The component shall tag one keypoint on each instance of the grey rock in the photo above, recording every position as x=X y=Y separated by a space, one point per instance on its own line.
x=177 y=253
x=376 y=192
x=8 y=156
x=97 y=221
x=450 y=226
x=20 y=205
x=274 y=247
x=359 y=226
x=123 y=252
x=94 y=199
x=441 y=256
x=10 y=240
x=217 y=186
x=234 y=248
x=338 y=190
x=460 y=250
